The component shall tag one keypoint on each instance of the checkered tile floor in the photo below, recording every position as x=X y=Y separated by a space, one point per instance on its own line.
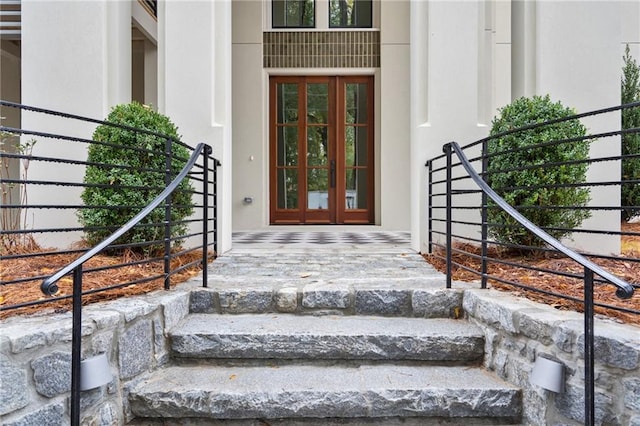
x=323 y=238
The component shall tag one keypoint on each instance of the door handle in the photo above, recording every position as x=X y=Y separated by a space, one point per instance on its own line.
x=332 y=174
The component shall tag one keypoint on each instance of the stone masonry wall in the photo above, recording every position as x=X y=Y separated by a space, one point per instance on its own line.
x=518 y=330
x=35 y=358
x=35 y=351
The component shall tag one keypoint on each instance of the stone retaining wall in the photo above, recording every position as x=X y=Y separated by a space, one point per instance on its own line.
x=518 y=330
x=35 y=353
x=35 y=358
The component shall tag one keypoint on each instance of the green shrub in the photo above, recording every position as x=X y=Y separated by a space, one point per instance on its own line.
x=501 y=177
x=630 y=92
x=151 y=178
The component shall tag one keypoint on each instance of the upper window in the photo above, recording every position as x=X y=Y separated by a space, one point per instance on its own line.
x=350 y=14
x=293 y=13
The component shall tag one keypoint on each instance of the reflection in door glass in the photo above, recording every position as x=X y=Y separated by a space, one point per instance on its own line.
x=287 y=189
x=356 y=103
x=287 y=146
x=287 y=103
x=317 y=189
x=355 y=146
x=317 y=103
x=356 y=189
x=317 y=146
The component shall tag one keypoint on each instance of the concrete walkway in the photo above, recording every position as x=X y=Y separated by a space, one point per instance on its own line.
x=320 y=257
x=331 y=239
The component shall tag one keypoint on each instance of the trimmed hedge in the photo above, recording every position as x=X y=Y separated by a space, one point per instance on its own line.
x=630 y=92
x=523 y=149
x=132 y=189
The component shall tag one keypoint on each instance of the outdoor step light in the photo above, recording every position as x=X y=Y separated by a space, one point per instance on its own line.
x=95 y=372
x=548 y=374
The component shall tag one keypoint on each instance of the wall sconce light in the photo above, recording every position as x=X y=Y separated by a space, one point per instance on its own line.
x=548 y=374
x=95 y=372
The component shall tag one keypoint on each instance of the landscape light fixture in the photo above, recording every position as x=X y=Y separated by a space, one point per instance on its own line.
x=95 y=372
x=548 y=374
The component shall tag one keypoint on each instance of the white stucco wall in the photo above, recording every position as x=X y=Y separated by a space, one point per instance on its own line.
x=578 y=63
x=195 y=84
x=570 y=50
x=250 y=113
x=83 y=69
x=445 y=90
x=631 y=27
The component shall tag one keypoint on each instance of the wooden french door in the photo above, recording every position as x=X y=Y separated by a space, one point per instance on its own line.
x=321 y=150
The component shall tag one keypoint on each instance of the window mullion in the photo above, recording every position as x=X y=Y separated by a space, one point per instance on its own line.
x=322 y=14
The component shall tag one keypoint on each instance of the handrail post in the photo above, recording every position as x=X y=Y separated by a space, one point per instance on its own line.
x=430 y=207
x=449 y=215
x=484 y=229
x=205 y=213
x=76 y=346
x=167 y=216
x=215 y=207
x=589 y=352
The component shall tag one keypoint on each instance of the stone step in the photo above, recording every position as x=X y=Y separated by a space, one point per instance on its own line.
x=423 y=297
x=283 y=336
x=316 y=282
x=304 y=391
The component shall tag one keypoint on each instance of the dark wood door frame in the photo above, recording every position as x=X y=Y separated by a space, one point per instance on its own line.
x=337 y=211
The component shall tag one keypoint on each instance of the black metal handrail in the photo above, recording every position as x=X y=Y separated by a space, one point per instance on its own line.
x=49 y=286
x=199 y=166
x=447 y=178
x=624 y=290
x=24 y=225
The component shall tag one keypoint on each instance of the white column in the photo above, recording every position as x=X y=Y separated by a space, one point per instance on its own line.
x=445 y=88
x=150 y=74
x=250 y=113
x=523 y=48
x=195 y=83
x=394 y=103
x=419 y=117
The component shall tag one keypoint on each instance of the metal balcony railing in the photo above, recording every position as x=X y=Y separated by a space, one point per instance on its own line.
x=151 y=6
x=10 y=19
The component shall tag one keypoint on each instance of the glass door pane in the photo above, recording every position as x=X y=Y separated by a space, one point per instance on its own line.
x=356 y=143
x=287 y=150
x=317 y=146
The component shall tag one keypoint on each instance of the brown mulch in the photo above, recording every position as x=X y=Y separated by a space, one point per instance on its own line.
x=545 y=282
x=44 y=265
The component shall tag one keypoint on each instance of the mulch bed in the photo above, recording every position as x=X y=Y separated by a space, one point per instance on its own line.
x=605 y=294
x=626 y=269
x=15 y=294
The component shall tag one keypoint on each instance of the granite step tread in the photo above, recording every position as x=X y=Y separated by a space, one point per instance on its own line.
x=299 y=391
x=285 y=336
